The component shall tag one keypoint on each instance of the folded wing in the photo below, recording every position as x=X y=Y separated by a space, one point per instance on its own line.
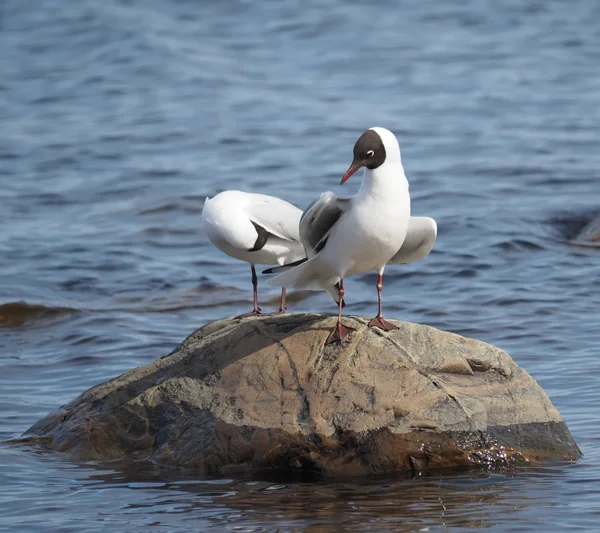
x=420 y=237
x=278 y=217
x=318 y=220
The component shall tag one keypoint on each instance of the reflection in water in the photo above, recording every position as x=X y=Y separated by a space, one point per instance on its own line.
x=464 y=500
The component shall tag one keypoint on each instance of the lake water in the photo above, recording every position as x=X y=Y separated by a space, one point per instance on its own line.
x=118 y=118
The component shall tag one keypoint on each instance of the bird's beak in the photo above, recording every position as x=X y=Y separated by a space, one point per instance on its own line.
x=353 y=168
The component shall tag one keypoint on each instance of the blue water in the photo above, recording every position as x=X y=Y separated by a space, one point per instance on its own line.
x=118 y=118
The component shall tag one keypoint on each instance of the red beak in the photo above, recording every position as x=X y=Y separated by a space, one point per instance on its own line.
x=353 y=168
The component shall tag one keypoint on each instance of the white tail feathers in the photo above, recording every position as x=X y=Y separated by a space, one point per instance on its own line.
x=305 y=276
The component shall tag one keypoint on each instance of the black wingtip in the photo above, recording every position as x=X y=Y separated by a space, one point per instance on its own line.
x=343 y=303
x=261 y=239
x=296 y=263
x=274 y=270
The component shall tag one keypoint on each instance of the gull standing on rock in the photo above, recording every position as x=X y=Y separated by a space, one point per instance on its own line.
x=346 y=236
x=254 y=228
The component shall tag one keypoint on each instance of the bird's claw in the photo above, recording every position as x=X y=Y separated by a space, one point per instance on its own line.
x=255 y=312
x=379 y=322
x=339 y=332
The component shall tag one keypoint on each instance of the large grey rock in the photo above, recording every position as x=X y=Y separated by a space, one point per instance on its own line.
x=265 y=392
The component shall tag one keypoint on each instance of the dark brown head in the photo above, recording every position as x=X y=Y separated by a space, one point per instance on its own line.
x=369 y=152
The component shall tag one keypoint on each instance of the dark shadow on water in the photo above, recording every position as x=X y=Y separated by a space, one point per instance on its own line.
x=464 y=498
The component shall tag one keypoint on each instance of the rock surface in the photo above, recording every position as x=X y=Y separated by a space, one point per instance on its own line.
x=265 y=393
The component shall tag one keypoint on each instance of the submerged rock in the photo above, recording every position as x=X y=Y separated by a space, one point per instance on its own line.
x=266 y=393
x=589 y=235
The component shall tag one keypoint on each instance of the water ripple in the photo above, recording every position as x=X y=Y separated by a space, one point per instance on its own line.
x=123 y=116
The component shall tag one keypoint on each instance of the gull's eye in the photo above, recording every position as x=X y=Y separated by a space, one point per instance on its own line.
x=371 y=153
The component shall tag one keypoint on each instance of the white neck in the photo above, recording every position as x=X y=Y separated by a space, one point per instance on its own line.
x=385 y=181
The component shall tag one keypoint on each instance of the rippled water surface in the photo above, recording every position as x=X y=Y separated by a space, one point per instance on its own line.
x=118 y=118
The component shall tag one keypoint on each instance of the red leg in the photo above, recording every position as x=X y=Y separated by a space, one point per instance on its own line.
x=339 y=331
x=378 y=321
x=256 y=310
x=282 y=307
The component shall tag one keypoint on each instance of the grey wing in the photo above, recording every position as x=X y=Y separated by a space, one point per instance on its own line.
x=318 y=220
x=275 y=215
x=420 y=237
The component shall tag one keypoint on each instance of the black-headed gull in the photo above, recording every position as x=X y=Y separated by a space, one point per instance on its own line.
x=254 y=228
x=346 y=236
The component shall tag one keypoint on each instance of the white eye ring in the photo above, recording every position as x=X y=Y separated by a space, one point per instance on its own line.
x=371 y=153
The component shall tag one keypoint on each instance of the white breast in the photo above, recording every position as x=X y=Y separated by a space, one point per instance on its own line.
x=369 y=234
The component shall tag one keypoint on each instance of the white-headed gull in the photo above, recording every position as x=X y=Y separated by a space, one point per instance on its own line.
x=254 y=228
x=346 y=236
